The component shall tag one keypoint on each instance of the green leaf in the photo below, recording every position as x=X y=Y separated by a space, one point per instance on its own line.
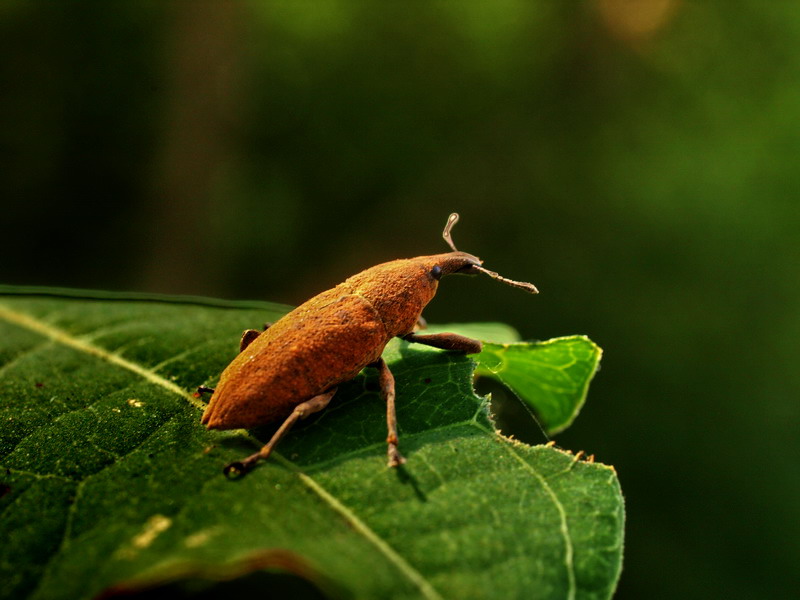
x=108 y=480
x=551 y=378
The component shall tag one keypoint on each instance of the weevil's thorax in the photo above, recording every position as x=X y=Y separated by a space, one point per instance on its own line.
x=400 y=290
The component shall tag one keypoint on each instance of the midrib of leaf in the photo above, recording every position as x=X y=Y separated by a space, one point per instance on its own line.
x=410 y=572
x=62 y=337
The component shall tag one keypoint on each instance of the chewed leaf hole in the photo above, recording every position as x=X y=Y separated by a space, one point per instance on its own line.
x=511 y=417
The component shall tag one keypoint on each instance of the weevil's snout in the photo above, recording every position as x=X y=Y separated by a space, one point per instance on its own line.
x=467 y=264
x=457 y=262
x=461 y=262
x=472 y=268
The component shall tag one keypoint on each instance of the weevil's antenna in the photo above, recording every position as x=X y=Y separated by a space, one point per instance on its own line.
x=523 y=285
x=451 y=220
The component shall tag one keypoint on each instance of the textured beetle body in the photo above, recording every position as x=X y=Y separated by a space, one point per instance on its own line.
x=327 y=340
x=292 y=369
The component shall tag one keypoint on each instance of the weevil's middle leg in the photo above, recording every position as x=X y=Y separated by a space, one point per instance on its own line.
x=301 y=411
x=386 y=381
x=446 y=341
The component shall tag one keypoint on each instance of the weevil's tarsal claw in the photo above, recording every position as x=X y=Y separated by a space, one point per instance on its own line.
x=523 y=285
x=235 y=470
x=395 y=458
x=239 y=468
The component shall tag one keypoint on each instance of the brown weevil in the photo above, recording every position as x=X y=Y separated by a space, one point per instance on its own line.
x=292 y=368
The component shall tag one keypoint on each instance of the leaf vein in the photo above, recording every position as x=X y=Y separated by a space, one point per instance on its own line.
x=568 y=549
x=59 y=335
x=424 y=586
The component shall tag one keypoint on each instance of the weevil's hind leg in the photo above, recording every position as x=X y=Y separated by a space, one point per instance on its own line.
x=386 y=381
x=301 y=411
x=446 y=341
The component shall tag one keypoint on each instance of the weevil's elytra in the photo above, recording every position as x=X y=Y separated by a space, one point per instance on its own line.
x=291 y=369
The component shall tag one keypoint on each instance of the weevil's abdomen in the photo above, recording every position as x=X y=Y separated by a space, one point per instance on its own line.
x=324 y=342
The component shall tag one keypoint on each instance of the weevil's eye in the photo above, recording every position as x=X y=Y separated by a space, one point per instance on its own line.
x=436 y=272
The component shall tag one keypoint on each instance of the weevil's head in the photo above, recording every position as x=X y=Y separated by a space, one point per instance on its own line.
x=400 y=289
x=461 y=262
x=448 y=263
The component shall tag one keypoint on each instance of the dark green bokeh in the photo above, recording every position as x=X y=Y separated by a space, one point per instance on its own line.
x=637 y=161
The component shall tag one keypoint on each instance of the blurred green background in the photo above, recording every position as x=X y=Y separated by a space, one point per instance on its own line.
x=638 y=160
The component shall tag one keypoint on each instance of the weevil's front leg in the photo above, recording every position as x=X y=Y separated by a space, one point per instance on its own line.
x=386 y=381
x=446 y=341
x=301 y=411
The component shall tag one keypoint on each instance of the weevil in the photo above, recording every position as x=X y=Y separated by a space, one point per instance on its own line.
x=292 y=368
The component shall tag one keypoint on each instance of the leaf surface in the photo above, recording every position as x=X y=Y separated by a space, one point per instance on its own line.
x=108 y=478
x=551 y=378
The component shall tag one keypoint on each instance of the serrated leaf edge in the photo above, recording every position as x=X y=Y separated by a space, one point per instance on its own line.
x=584 y=391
